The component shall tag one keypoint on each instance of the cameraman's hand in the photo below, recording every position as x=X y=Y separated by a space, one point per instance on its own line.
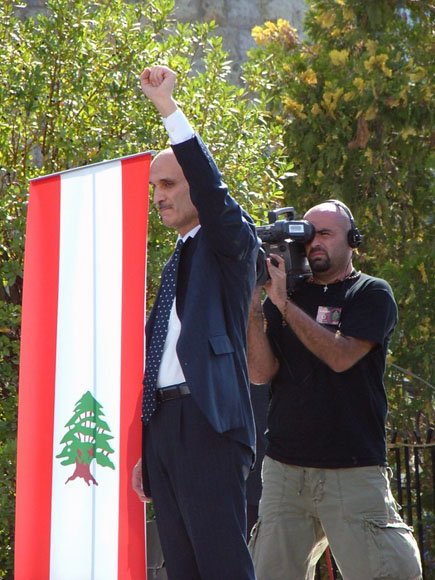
x=276 y=287
x=157 y=83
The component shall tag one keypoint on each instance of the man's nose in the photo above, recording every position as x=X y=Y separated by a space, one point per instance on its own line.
x=314 y=241
x=157 y=195
x=316 y=238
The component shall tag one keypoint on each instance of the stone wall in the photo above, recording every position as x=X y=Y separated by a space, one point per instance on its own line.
x=235 y=18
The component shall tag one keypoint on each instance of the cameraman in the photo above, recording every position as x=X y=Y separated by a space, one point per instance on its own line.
x=325 y=475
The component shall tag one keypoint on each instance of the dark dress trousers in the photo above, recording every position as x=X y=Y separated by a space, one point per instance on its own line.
x=197 y=450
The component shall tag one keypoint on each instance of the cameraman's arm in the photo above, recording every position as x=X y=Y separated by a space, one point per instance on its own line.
x=339 y=352
x=262 y=363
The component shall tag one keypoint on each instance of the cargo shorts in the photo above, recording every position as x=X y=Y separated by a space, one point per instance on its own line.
x=302 y=510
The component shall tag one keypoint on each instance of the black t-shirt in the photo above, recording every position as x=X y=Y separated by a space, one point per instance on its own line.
x=318 y=417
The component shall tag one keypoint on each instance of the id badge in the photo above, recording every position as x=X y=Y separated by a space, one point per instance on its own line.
x=328 y=315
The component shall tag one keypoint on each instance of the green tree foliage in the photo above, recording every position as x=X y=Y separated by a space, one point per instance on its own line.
x=354 y=102
x=70 y=96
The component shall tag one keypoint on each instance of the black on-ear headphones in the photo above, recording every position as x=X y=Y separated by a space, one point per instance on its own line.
x=354 y=238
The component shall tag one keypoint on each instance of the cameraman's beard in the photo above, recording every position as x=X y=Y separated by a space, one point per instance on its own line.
x=320 y=265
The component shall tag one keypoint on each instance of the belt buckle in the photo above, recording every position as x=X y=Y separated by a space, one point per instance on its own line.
x=172 y=392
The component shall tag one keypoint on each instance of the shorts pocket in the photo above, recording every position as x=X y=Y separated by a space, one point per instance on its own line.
x=263 y=551
x=254 y=534
x=393 y=551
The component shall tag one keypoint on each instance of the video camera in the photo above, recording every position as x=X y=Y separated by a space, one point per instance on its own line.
x=286 y=238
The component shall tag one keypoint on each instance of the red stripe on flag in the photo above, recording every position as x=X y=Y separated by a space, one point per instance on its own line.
x=37 y=377
x=131 y=549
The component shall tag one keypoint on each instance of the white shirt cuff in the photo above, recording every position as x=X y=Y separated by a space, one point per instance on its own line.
x=178 y=127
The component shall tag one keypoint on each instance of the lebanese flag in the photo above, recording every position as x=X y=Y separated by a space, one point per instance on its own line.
x=81 y=368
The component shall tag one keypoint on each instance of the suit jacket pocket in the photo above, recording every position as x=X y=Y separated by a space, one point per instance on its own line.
x=221 y=344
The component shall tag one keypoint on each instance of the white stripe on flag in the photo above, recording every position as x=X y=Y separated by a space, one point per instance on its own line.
x=88 y=359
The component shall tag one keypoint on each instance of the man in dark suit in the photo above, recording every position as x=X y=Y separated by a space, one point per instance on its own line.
x=199 y=443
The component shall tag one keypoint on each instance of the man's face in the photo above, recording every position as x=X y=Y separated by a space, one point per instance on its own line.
x=329 y=250
x=171 y=193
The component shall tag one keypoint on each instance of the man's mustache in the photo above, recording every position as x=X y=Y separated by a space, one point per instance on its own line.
x=317 y=249
x=160 y=206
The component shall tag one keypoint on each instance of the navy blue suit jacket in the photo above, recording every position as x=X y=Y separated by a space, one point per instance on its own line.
x=212 y=343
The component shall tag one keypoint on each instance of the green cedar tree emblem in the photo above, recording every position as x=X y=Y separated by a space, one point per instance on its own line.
x=86 y=439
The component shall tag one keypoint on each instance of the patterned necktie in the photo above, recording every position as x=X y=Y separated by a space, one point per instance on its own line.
x=160 y=329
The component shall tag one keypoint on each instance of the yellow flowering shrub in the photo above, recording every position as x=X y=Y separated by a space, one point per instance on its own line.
x=422 y=269
x=339 y=57
x=348 y=13
x=326 y=19
x=280 y=31
x=371 y=46
x=330 y=100
x=309 y=77
x=264 y=34
x=359 y=84
x=407 y=131
x=378 y=61
x=293 y=107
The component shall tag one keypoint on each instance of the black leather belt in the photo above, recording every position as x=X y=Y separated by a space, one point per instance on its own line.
x=172 y=392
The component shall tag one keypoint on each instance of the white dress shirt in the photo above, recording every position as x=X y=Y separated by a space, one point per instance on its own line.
x=170 y=372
